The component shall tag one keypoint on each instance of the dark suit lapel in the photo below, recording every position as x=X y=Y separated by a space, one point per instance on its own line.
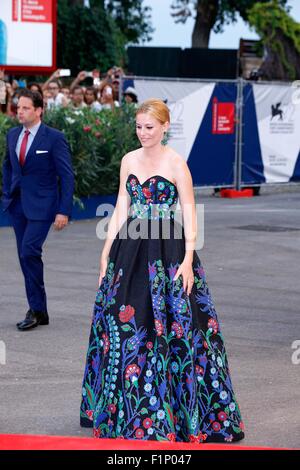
x=36 y=142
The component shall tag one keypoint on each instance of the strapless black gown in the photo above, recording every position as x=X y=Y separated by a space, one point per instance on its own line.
x=156 y=363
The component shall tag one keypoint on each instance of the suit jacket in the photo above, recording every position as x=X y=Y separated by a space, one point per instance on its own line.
x=48 y=159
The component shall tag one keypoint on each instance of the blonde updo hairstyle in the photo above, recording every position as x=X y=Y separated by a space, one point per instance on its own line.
x=156 y=108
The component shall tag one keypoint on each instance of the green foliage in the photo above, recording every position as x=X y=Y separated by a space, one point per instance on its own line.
x=229 y=9
x=273 y=24
x=226 y=10
x=97 y=140
x=5 y=124
x=132 y=18
x=88 y=38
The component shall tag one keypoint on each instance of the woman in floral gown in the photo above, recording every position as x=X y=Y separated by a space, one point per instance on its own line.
x=156 y=366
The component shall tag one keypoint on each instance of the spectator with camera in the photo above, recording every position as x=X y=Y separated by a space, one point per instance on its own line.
x=53 y=85
x=107 y=98
x=112 y=78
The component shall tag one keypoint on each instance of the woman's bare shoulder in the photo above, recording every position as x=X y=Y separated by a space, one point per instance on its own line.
x=177 y=160
x=130 y=157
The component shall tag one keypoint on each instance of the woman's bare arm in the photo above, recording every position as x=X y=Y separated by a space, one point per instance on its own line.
x=120 y=213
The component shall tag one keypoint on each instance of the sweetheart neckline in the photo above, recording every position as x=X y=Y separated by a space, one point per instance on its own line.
x=153 y=176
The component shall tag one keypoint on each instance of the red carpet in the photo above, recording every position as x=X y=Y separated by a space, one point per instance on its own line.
x=30 y=442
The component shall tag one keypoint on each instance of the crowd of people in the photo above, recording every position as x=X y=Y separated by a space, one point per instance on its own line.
x=87 y=90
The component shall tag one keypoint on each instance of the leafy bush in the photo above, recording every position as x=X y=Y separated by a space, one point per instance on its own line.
x=280 y=34
x=98 y=140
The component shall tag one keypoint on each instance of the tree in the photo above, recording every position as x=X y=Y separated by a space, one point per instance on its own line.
x=88 y=37
x=212 y=15
x=132 y=18
x=280 y=35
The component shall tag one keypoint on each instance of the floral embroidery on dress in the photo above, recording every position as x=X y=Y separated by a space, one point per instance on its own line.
x=156 y=366
x=175 y=387
x=158 y=200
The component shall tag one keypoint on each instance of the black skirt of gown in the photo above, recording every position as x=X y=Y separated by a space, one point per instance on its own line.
x=156 y=366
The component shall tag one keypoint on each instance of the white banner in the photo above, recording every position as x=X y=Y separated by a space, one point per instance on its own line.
x=278 y=119
x=26 y=30
x=187 y=101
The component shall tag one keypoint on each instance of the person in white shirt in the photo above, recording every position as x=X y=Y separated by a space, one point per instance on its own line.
x=90 y=98
x=107 y=98
x=57 y=98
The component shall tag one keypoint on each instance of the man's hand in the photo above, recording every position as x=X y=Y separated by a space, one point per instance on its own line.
x=60 y=221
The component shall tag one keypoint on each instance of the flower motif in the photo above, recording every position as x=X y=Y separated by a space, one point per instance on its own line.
x=132 y=371
x=147 y=423
x=222 y=416
x=106 y=343
x=199 y=370
x=126 y=314
x=178 y=329
x=97 y=432
x=159 y=327
x=147 y=193
x=139 y=433
x=161 y=414
x=213 y=324
x=90 y=414
x=199 y=438
x=160 y=185
x=112 y=408
x=153 y=400
x=149 y=345
x=219 y=361
x=216 y=426
x=171 y=436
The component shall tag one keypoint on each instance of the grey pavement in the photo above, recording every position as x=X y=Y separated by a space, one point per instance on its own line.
x=251 y=256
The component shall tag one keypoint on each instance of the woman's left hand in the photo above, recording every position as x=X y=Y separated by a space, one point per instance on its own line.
x=186 y=271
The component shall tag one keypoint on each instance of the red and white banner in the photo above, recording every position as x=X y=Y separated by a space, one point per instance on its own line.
x=27 y=34
x=223 y=117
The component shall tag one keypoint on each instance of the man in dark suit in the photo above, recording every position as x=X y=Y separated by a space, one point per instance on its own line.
x=37 y=157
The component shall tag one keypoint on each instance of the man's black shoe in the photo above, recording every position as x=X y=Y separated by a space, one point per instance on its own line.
x=33 y=319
